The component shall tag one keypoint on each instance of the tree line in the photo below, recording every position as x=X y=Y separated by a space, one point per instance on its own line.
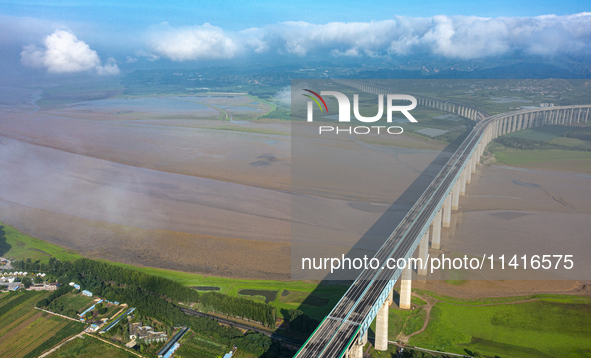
x=142 y=291
x=97 y=277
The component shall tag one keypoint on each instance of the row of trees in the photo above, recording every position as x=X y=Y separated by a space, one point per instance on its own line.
x=54 y=296
x=240 y=307
x=527 y=144
x=154 y=296
x=583 y=134
x=531 y=144
x=93 y=276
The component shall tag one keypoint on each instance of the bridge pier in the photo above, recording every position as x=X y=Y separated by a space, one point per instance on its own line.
x=356 y=349
x=455 y=197
x=423 y=253
x=436 y=232
x=405 y=288
x=463 y=182
x=446 y=220
x=381 y=343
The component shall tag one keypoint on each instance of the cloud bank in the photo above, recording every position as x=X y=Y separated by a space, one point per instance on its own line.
x=459 y=37
x=192 y=43
x=63 y=52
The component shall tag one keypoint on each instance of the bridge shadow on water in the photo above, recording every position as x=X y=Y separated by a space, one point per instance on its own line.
x=320 y=302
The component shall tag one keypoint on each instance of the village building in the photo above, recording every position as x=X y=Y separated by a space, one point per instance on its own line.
x=145 y=333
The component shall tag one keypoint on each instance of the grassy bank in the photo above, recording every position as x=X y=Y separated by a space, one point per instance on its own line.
x=521 y=326
x=18 y=246
x=532 y=329
x=544 y=147
x=314 y=299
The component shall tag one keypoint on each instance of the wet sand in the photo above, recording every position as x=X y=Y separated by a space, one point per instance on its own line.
x=519 y=211
x=128 y=189
x=198 y=196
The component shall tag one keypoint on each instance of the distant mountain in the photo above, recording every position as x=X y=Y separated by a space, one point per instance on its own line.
x=519 y=70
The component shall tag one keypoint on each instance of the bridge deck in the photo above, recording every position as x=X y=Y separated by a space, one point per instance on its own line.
x=336 y=332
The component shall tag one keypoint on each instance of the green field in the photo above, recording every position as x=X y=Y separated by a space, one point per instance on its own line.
x=542 y=133
x=20 y=246
x=529 y=156
x=231 y=287
x=26 y=332
x=548 y=323
x=196 y=346
x=90 y=347
x=551 y=149
x=543 y=328
x=76 y=302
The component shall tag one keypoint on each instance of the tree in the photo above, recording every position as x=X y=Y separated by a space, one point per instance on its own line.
x=26 y=282
x=38 y=279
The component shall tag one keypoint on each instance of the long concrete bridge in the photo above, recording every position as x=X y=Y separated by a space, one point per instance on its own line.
x=343 y=333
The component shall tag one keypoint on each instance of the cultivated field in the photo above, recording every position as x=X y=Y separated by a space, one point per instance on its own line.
x=26 y=332
x=89 y=347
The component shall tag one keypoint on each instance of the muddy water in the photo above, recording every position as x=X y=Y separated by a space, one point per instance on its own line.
x=97 y=189
x=514 y=211
x=183 y=194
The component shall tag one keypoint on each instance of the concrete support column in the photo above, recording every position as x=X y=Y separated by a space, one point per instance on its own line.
x=405 y=288
x=436 y=231
x=446 y=219
x=382 y=328
x=513 y=123
x=423 y=253
x=356 y=349
x=519 y=121
x=463 y=182
x=529 y=120
x=468 y=171
x=455 y=197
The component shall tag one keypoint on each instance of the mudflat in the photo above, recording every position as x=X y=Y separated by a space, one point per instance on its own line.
x=197 y=195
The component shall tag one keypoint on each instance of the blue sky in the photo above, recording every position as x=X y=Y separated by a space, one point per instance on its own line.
x=237 y=15
x=99 y=36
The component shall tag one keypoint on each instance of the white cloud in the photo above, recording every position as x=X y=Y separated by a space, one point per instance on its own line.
x=192 y=43
x=63 y=52
x=463 y=37
x=110 y=68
